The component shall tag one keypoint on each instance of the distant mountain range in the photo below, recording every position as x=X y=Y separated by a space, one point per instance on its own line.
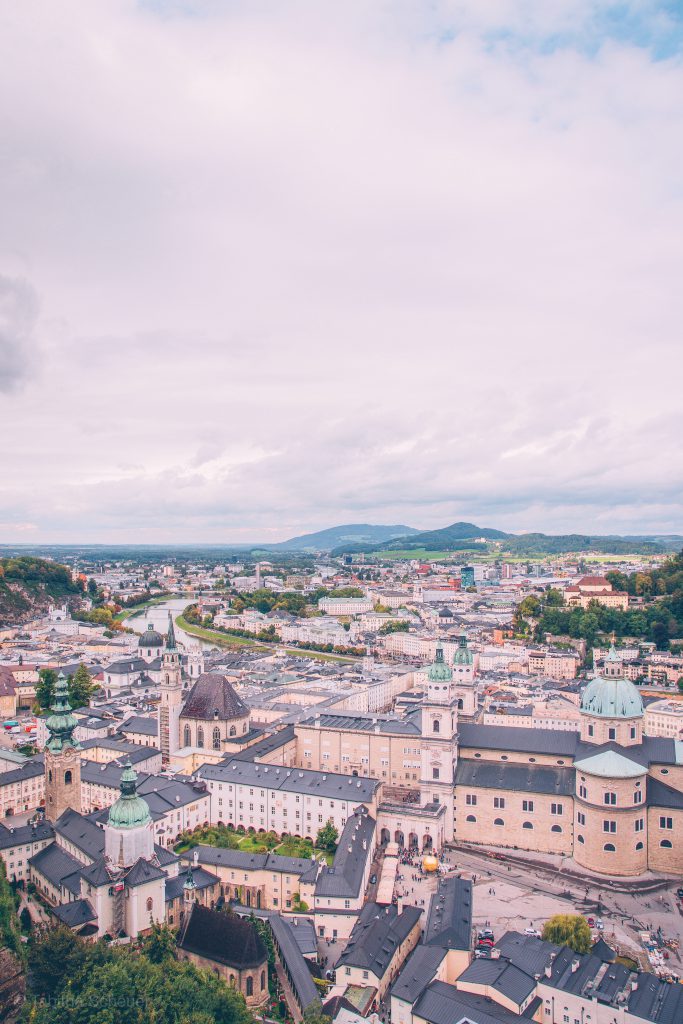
x=336 y=536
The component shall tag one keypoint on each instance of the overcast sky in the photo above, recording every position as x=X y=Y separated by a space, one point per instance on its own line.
x=273 y=266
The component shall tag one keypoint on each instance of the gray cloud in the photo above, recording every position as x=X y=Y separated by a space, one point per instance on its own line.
x=18 y=314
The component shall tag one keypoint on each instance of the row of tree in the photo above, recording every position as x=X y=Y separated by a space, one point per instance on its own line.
x=81 y=688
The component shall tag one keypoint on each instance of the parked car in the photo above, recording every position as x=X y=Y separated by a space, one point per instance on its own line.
x=679 y=893
x=599 y=924
x=532 y=932
x=591 y=922
x=485 y=933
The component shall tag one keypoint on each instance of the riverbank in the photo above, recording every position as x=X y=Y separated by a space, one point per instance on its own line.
x=134 y=610
x=226 y=640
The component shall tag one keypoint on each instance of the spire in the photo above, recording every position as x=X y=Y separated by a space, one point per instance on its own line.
x=170 y=636
x=61 y=723
x=189 y=885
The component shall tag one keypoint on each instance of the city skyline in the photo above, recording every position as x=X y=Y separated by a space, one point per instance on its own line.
x=269 y=269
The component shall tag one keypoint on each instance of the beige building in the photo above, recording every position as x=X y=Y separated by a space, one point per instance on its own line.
x=595 y=588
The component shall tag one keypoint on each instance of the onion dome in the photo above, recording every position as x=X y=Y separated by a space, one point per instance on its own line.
x=439 y=672
x=61 y=723
x=612 y=698
x=130 y=810
x=150 y=638
x=463 y=655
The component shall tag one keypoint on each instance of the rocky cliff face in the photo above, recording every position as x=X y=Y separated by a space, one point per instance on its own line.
x=12 y=987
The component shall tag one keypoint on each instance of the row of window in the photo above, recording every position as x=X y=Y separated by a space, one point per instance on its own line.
x=526 y=824
x=499 y=803
x=666 y=844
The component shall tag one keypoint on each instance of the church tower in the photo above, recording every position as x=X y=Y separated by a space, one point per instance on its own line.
x=463 y=678
x=439 y=738
x=171 y=695
x=129 y=832
x=62 y=756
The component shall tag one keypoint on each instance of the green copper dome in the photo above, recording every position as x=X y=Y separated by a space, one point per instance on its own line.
x=61 y=723
x=130 y=810
x=612 y=698
x=439 y=672
x=463 y=655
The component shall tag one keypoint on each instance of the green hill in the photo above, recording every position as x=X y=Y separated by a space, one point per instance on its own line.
x=336 y=536
x=28 y=585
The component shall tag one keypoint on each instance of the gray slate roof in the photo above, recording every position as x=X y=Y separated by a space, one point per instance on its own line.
x=502 y=976
x=344 y=878
x=297 y=968
x=376 y=936
x=444 y=1004
x=174 y=886
x=58 y=866
x=81 y=832
x=293 y=780
x=417 y=972
x=23 y=835
x=213 y=693
x=75 y=914
x=525 y=740
x=449 y=921
x=655 y=1000
x=517 y=778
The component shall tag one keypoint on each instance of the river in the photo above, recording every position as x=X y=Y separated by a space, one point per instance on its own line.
x=158 y=616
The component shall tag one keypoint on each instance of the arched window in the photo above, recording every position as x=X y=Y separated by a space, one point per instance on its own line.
x=527 y=824
x=244 y=727
x=581 y=839
x=187 y=736
x=68 y=777
x=556 y=828
x=666 y=844
x=608 y=847
x=470 y=817
x=49 y=775
x=499 y=821
x=461 y=704
x=232 y=979
x=233 y=730
x=250 y=986
x=150 y=904
x=639 y=846
x=436 y=725
x=216 y=738
x=263 y=980
x=200 y=736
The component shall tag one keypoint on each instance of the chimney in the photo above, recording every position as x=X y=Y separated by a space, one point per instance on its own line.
x=575 y=966
x=548 y=971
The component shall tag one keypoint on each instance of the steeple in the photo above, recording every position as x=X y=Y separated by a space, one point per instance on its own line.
x=170 y=636
x=61 y=723
x=129 y=831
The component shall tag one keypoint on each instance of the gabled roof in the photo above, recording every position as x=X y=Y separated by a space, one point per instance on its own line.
x=376 y=936
x=418 y=971
x=449 y=921
x=58 y=866
x=527 y=778
x=502 y=976
x=143 y=872
x=355 y=848
x=445 y=1004
x=83 y=833
x=210 y=694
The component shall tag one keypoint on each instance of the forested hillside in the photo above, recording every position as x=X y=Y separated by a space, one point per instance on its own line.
x=28 y=585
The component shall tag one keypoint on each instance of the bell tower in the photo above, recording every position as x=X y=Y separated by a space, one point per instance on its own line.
x=439 y=739
x=171 y=695
x=62 y=756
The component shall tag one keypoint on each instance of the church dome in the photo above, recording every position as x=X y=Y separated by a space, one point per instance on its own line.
x=612 y=698
x=439 y=672
x=130 y=810
x=213 y=698
x=463 y=655
x=150 y=638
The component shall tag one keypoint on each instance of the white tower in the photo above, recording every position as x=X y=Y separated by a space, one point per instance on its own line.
x=171 y=696
x=439 y=738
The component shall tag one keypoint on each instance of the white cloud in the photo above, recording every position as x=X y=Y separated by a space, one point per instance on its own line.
x=303 y=263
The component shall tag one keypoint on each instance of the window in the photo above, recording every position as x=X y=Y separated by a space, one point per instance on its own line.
x=633 y=732
x=216 y=742
x=471 y=799
x=233 y=731
x=556 y=828
x=612 y=734
x=250 y=986
x=68 y=777
x=187 y=739
x=610 y=798
x=581 y=818
x=150 y=904
x=470 y=817
x=435 y=725
x=639 y=846
x=581 y=839
x=666 y=823
x=666 y=844
x=263 y=980
x=499 y=821
x=556 y=809
x=528 y=805
x=435 y=773
x=591 y=730
x=608 y=847
x=639 y=824
x=200 y=736
x=638 y=796
x=582 y=792
x=609 y=826
x=499 y=801
x=527 y=824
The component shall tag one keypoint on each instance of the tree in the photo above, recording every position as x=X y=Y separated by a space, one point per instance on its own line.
x=25 y=920
x=327 y=837
x=45 y=687
x=568 y=930
x=314 y=1015
x=680 y=684
x=80 y=688
x=54 y=955
x=159 y=945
